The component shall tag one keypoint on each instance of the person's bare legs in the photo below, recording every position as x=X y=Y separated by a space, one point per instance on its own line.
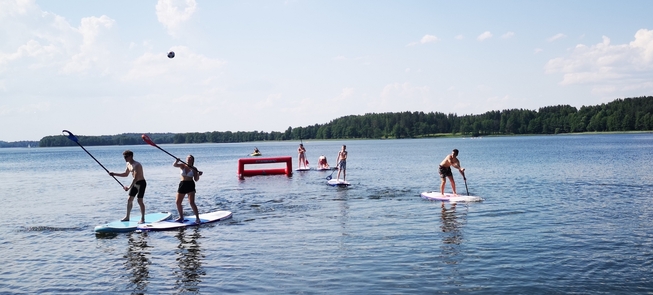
x=142 y=205
x=129 y=208
x=191 y=200
x=180 y=209
x=443 y=181
x=453 y=185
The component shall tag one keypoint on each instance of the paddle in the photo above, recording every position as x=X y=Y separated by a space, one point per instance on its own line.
x=72 y=137
x=465 y=178
x=150 y=142
x=331 y=176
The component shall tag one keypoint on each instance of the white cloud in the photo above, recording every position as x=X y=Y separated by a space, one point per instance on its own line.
x=172 y=13
x=91 y=51
x=426 y=39
x=402 y=96
x=155 y=67
x=459 y=37
x=486 y=35
x=345 y=94
x=16 y=8
x=609 y=67
x=537 y=50
x=508 y=35
x=556 y=37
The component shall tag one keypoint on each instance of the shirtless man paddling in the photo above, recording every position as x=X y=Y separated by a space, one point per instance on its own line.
x=342 y=163
x=445 y=171
x=137 y=188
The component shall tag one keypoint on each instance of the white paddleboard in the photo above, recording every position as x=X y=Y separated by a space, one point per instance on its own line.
x=188 y=221
x=335 y=182
x=131 y=225
x=323 y=169
x=303 y=169
x=447 y=197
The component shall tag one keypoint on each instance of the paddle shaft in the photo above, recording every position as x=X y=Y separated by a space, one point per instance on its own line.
x=465 y=178
x=150 y=142
x=74 y=138
x=330 y=176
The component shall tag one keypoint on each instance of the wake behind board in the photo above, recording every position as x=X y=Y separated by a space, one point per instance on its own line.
x=436 y=196
x=336 y=182
x=188 y=221
x=131 y=225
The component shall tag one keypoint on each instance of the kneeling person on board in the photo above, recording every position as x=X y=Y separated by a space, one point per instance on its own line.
x=445 y=170
x=342 y=163
x=189 y=175
x=137 y=188
x=322 y=162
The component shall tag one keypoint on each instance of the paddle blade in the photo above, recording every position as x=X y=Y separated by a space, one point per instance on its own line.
x=329 y=177
x=148 y=140
x=70 y=135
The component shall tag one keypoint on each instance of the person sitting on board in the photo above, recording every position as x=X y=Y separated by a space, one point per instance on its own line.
x=137 y=187
x=256 y=150
x=445 y=171
x=322 y=162
x=189 y=175
x=342 y=163
x=301 y=151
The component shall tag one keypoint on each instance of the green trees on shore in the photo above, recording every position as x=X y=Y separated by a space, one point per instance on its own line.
x=629 y=114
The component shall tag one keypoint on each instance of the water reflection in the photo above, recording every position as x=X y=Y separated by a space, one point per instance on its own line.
x=137 y=262
x=452 y=239
x=189 y=258
x=450 y=226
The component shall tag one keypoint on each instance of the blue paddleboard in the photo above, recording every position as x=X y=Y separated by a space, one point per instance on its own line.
x=188 y=221
x=131 y=225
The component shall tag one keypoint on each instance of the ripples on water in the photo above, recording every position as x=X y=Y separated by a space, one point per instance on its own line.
x=562 y=214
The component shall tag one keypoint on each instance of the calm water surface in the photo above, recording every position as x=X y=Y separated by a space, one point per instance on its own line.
x=561 y=214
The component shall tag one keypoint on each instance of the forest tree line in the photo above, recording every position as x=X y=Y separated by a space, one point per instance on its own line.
x=629 y=114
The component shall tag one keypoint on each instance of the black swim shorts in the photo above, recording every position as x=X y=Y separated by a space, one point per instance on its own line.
x=186 y=186
x=138 y=189
x=445 y=172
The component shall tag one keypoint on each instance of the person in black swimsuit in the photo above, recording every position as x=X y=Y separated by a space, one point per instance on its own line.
x=445 y=170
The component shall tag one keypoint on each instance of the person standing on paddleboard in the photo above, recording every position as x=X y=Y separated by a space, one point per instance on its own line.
x=445 y=170
x=301 y=151
x=137 y=188
x=189 y=175
x=342 y=163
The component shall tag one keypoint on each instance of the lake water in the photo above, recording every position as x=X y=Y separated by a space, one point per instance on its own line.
x=561 y=214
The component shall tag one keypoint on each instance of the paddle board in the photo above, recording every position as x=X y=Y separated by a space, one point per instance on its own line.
x=188 y=221
x=255 y=154
x=131 y=225
x=335 y=182
x=322 y=169
x=447 y=197
x=303 y=169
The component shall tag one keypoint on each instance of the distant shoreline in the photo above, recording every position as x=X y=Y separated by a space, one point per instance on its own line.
x=34 y=144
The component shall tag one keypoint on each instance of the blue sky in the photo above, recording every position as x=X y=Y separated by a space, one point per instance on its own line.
x=100 y=67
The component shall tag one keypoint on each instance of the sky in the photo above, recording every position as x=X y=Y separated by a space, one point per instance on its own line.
x=101 y=67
